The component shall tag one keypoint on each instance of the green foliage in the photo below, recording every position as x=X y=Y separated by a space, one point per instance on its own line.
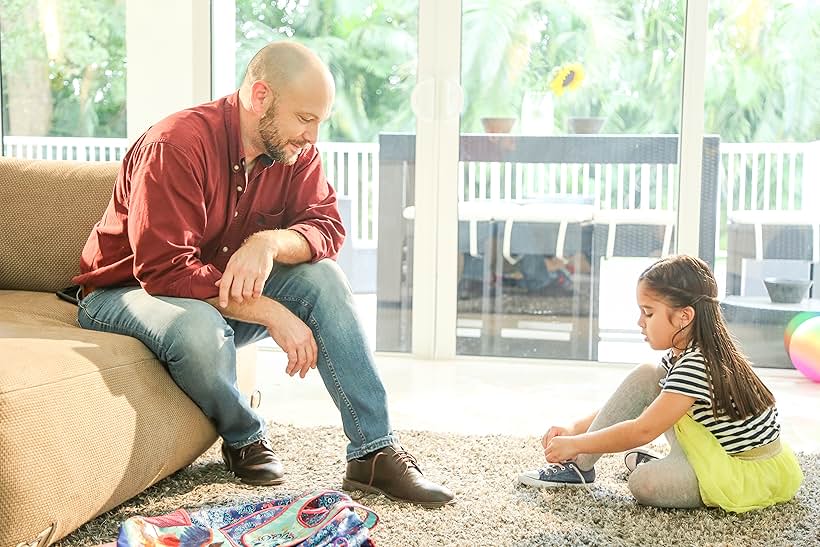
x=370 y=47
x=86 y=75
x=761 y=82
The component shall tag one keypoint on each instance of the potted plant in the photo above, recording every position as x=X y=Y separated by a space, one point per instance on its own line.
x=584 y=107
x=497 y=124
x=500 y=112
x=543 y=89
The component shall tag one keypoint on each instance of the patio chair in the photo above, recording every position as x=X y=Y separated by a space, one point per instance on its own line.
x=762 y=243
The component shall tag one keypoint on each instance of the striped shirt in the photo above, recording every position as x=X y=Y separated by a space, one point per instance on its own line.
x=687 y=375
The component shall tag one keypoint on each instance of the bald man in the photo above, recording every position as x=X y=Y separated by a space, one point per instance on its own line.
x=222 y=230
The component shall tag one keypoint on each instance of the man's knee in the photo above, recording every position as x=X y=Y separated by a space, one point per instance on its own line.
x=328 y=272
x=198 y=334
x=324 y=278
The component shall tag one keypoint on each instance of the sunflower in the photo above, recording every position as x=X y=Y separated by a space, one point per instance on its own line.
x=567 y=76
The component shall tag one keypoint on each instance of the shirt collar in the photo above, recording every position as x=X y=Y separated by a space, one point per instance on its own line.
x=236 y=152
x=670 y=359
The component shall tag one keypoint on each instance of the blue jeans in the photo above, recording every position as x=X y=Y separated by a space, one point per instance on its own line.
x=198 y=346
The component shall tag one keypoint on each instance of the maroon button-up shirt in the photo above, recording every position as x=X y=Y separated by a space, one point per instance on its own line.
x=182 y=206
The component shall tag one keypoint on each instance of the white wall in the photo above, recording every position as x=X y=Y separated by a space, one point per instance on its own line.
x=168 y=47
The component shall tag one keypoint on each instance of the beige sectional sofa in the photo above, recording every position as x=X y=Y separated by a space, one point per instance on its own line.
x=87 y=419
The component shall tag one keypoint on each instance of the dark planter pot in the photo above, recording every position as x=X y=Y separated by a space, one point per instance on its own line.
x=584 y=125
x=787 y=291
x=498 y=125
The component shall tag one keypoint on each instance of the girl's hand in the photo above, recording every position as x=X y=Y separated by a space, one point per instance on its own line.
x=560 y=449
x=554 y=431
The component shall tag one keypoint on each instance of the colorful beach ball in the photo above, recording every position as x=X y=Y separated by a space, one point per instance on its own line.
x=796 y=321
x=803 y=345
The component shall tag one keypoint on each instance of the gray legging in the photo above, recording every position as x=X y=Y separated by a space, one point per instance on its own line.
x=667 y=482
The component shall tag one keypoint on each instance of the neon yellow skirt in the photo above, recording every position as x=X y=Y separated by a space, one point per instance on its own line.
x=735 y=483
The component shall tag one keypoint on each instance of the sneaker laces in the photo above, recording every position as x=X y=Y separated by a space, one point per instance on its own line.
x=553 y=468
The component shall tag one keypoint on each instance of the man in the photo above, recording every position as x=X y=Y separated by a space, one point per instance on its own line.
x=221 y=231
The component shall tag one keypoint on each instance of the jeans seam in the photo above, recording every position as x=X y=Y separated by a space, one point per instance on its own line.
x=330 y=367
x=336 y=383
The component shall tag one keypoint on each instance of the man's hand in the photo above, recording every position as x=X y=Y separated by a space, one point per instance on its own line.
x=247 y=271
x=296 y=339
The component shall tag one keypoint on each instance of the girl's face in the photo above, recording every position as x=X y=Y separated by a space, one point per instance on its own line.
x=660 y=324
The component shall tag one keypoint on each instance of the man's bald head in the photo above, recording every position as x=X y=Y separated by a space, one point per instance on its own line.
x=281 y=64
x=286 y=94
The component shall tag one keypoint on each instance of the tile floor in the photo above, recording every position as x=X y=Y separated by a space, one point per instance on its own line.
x=501 y=396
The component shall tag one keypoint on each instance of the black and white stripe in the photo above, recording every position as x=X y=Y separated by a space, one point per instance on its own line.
x=687 y=375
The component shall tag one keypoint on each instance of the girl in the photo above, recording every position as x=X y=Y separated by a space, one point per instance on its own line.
x=720 y=420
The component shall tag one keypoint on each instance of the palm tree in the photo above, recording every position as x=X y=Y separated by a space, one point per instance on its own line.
x=760 y=87
x=370 y=47
x=512 y=45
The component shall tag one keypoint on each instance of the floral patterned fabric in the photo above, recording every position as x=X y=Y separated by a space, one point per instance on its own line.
x=316 y=519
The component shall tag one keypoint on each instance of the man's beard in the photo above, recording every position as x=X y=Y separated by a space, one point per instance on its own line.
x=272 y=141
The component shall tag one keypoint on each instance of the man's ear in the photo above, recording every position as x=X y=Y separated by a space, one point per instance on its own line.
x=259 y=92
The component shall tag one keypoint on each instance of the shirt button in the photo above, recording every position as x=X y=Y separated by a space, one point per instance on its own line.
x=224 y=249
x=235 y=214
x=238 y=188
x=236 y=167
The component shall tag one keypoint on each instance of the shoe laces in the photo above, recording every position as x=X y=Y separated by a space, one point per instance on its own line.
x=258 y=446
x=554 y=468
x=403 y=456
x=400 y=455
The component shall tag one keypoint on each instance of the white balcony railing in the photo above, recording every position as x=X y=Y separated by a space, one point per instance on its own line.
x=352 y=168
x=64 y=148
x=752 y=177
x=769 y=176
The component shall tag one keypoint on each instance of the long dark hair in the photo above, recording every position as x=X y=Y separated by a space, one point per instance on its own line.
x=681 y=281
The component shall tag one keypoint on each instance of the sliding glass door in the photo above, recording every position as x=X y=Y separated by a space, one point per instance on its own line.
x=509 y=167
x=567 y=173
x=371 y=48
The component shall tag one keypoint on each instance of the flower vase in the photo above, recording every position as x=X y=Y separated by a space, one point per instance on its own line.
x=537 y=113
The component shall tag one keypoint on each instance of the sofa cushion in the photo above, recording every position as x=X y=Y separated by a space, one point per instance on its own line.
x=86 y=413
x=47 y=210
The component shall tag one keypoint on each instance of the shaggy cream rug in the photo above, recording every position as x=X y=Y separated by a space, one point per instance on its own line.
x=491 y=508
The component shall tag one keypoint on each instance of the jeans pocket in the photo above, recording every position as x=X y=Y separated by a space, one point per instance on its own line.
x=89 y=308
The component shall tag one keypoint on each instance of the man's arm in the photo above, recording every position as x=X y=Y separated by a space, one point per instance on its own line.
x=249 y=267
x=287 y=330
x=287 y=246
x=315 y=232
x=314 y=208
x=166 y=223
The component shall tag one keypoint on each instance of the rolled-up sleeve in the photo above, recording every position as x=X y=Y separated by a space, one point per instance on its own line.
x=315 y=211
x=166 y=223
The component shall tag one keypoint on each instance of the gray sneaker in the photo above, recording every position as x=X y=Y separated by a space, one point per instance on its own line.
x=557 y=474
x=636 y=457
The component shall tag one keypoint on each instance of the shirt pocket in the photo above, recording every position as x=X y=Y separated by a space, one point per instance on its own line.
x=271 y=221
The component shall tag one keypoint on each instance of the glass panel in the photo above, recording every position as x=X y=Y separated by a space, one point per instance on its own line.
x=567 y=175
x=371 y=48
x=761 y=99
x=63 y=70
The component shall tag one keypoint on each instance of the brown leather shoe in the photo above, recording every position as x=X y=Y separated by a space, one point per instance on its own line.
x=254 y=464
x=392 y=471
